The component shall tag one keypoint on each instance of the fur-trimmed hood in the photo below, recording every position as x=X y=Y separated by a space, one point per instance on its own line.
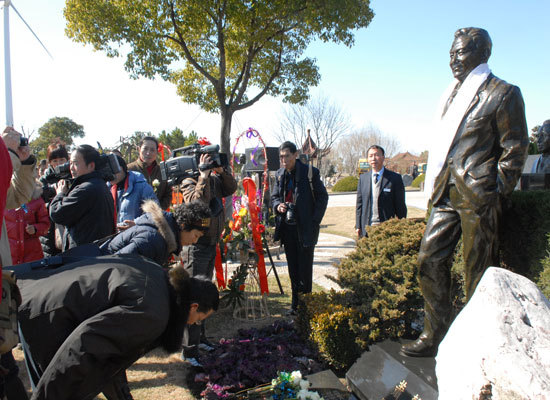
x=163 y=225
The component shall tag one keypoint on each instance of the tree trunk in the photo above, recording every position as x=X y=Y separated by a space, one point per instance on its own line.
x=225 y=134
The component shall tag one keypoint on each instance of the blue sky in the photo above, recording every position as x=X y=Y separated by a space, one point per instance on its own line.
x=392 y=77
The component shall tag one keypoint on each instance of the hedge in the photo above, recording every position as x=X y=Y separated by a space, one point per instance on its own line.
x=347 y=184
x=418 y=180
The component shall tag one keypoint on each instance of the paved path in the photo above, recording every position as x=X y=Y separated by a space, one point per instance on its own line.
x=330 y=249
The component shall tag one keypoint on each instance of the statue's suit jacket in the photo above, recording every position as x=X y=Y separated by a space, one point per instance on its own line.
x=391 y=201
x=489 y=149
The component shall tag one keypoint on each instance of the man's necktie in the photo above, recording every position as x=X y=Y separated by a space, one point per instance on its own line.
x=375 y=178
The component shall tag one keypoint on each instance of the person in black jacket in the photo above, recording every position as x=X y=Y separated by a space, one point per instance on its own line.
x=86 y=322
x=85 y=208
x=158 y=234
x=57 y=155
x=299 y=201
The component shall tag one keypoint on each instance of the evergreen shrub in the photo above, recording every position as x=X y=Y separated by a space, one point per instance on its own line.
x=524 y=227
x=347 y=184
x=543 y=280
x=418 y=180
x=381 y=297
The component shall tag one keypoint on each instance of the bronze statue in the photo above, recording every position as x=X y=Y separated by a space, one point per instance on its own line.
x=542 y=165
x=478 y=155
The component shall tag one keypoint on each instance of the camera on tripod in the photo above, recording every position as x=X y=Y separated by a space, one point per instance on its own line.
x=177 y=168
x=108 y=166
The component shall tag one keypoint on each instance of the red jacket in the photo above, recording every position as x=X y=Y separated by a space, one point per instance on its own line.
x=25 y=247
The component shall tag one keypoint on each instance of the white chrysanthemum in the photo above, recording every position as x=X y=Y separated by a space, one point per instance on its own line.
x=304 y=384
x=296 y=377
x=302 y=394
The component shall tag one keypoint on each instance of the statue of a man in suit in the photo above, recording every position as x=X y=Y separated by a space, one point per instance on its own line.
x=542 y=165
x=478 y=155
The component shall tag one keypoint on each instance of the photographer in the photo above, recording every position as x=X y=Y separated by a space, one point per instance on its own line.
x=57 y=155
x=85 y=207
x=211 y=186
x=17 y=178
x=299 y=200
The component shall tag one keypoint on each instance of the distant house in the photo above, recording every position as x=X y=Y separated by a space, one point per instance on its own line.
x=403 y=162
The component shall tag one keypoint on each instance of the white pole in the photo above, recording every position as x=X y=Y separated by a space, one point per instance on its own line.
x=7 y=65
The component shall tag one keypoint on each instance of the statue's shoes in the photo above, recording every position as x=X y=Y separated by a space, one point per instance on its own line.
x=421 y=347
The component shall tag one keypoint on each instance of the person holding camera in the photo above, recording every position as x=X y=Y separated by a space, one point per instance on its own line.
x=20 y=185
x=148 y=166
x=84 y=207
x=56 y=155
x=211 y=186
x=17 y=173
x=299 y=200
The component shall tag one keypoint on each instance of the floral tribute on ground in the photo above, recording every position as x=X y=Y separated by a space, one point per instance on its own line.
x=255 y=358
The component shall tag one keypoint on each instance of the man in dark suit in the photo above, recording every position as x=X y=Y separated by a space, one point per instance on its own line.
x=383 y=185
x=483 y=125
x=299 y=201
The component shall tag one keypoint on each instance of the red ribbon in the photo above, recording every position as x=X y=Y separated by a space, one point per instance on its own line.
x=161 y=148
x=219 y=268
x=250 y=190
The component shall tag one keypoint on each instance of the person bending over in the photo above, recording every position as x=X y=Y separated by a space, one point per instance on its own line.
x=84 y=323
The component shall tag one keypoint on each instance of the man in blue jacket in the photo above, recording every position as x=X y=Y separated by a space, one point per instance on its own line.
x=299 y=201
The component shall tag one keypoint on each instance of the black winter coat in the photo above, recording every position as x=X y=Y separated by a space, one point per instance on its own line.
x=309 y=210
x=87 y=211
x=86 y=321
x=155 y=236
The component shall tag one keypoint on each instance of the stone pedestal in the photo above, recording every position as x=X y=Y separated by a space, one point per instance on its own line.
x=377 y=373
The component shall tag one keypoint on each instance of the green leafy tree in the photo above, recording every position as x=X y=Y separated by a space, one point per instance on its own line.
x=57 y=128
x=174 y=139
x=233 y=51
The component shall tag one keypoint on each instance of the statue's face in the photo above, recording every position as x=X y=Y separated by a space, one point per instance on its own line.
x=464 y=57
x=543 y=138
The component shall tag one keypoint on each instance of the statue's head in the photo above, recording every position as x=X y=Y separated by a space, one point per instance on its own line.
x=543 y=137
x=471 y=47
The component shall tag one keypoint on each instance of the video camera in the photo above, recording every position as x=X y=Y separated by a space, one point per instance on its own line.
x=176 y=169
x=108 y=167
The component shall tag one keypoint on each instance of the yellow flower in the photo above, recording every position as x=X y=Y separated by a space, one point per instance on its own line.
x=243 y=212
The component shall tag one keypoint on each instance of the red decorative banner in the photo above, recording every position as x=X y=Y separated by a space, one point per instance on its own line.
x=250 y=190
x=219 y=268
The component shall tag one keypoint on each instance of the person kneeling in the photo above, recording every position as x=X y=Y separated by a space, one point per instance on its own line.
x=84 y=323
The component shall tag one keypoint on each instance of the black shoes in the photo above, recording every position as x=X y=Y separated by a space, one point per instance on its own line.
x=424 y=346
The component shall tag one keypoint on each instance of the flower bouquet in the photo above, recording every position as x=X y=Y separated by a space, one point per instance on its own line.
x=287 y=385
